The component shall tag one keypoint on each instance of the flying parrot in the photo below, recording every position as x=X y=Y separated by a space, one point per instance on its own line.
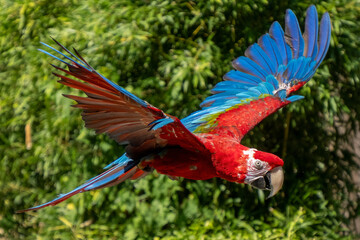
x=207 y=143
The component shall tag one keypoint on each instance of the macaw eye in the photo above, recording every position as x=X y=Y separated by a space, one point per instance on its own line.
x=258 y=164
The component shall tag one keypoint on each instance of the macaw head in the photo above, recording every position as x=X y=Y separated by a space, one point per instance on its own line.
x=264 y=171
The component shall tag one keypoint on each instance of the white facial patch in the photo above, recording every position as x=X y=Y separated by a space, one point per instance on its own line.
x=253 y=170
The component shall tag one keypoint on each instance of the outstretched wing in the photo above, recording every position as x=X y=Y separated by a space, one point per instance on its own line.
x=278 y=65
x=109 y=108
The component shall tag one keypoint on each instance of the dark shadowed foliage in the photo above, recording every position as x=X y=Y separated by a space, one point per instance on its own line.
x=171 y=53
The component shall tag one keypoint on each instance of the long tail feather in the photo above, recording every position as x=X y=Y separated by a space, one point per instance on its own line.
x=112 y=176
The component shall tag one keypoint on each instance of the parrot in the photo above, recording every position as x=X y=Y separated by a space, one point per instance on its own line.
x=207 y=143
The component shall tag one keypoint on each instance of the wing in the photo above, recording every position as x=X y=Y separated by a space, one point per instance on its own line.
x=109 y=108
x=275 y=67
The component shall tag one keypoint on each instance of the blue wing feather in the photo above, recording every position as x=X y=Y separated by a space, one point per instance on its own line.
x=160 y=123
x=252 y=92
x=272 y=67
x=65 y=56
x=268 y=45
x=277 y=33
x=53 y=56
x=270 y=87
x=324 y=38
x=302 y=68
x=290 y=70
x=241 y=77
x=282 y=94
x=255 y=53
x=271 y=79
x=293 y=34
x=262 y=89
x=310 y=72
x=121 y=160
x=230 y=86
x=311 y=33
x=246 y=65
x=294 y=98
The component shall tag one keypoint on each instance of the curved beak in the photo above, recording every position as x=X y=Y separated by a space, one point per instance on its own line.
x=273 y=181
x=276 y=180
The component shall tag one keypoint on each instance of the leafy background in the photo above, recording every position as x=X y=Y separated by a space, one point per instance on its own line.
x=171 y=53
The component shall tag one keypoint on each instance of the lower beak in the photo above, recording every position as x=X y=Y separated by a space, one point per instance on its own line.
x=273 y=181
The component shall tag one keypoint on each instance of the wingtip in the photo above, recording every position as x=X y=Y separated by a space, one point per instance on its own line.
x=326 y=16
x=311 y=13
x=311 y=8
x=274 y=25
x=21 y=211
x=24 y=210
x=57 y=42
x=289 y=11
x=36 y=207
x=289 y=14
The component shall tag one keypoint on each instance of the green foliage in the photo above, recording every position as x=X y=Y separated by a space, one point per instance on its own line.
x=170 y=53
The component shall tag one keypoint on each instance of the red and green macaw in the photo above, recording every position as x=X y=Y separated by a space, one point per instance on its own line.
x=207 y=143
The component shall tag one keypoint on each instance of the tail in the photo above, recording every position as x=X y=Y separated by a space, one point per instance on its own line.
x=124 y=168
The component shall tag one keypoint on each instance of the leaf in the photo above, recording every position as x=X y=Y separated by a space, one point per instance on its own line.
x=65 y=221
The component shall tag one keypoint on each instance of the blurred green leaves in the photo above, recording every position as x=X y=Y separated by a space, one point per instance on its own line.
x=170 y=53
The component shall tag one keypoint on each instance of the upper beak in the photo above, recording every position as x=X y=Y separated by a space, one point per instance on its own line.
x=273 y=181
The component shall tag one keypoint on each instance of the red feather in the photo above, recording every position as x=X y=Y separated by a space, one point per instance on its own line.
x=242 y=119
